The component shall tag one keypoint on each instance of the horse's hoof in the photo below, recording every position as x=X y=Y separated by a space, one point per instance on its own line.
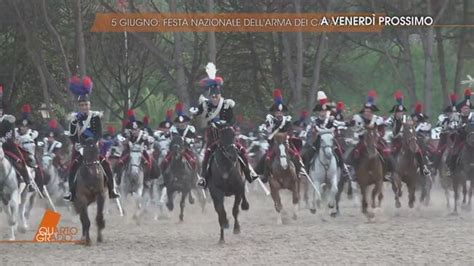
x=226 y=225
x=245 y=206
x=333 y=214
x=370 y=215
x=191 y=200
x=169 y=206
x=181 y=218
x=221 y=242
x=236 y=230
x=22 y=229
x=330 y=205
x=411 y=205
x=398 y=205
x=454 y=213
x=313 y=211
x=100 y=239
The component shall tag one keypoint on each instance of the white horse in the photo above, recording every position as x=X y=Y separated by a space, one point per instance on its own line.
x=51 y=173
x=9 y=194
x=27 y=143
x=133 y=177
x=324 y=172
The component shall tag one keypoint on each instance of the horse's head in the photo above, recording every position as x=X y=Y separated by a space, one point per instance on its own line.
x=46 y=160
x=177 y=145
x=27 y=143
x=227 y=143
x=136 y=152
x=327 y=142
x=281 y=144
x=226 y=136
x=409 y=140
x=371 y=138
x=91 y=151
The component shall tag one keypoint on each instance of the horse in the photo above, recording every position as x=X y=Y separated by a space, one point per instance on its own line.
x=324 y=170
x=28 y=199
x=283 y=175
x=179 y=175
x=406 y=169
x=90 y=187
x=9 y=193
x=132 y=180
x=226 y=179
x=464 y=168
x=52 y=180
x=369 y=170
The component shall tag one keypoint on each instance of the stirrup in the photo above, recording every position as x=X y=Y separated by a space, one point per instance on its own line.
x=202 y=183
x=68 y=196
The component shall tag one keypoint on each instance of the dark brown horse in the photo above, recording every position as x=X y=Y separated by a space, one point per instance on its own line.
x=90 y=187
x=406 y=169
x=369 y=170
x=283 y=175
x=226 y=179
x=464 y=169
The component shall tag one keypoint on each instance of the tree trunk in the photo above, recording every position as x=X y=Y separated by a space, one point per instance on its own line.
x=181 y=87
x=80 y=44
x=211 y=36
x=297 y=99
x=442 y=66
x=461 y=48
x=316 y=71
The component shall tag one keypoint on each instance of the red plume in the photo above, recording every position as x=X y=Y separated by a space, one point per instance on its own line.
x=418 y=107
x=467 y=92
x=276 y=93
x=169 y=114
x=179 y=108
x=146 y=120
x=1 y=89
x=453 y=97
x=130 y=113
x=372 y=93
x=323 y=101
x=398 y=95
x=53 y=123
x=26 y=108
x=304 y=114
x=340 y=106
x=111 y=129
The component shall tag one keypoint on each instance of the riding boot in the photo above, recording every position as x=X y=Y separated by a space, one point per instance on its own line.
x=72 y=179
x=266 y=170
x=19 y=164
x=39 y=179
x=113 y=194
x=202 y=182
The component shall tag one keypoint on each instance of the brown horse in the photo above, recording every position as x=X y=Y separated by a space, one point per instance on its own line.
x=406 y=169
x=283 y=175
x=90 y=187
x=369 y=170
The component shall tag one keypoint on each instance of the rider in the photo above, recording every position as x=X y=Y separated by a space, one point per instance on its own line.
x=187 y=132
x=11 y=149
x=325 y=119
x=85 y=124
x=423 y=131
x=465 y=117
x=447 y=122
x=107 y=141
x=134 y=134
x=217 y=112
x=26 y=135
x=278 y=122
x=52 y=146
x=367 y=118
x=299 y=126
x=396 y=121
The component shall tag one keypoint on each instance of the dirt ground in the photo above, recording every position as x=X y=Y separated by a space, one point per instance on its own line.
x=405 y=236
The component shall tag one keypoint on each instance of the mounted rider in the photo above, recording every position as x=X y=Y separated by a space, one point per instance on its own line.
x=465 y=117
x=9 y=145
x=447 y=121
x=325 y=119
x=279 y=122
x=26 y=136
x=181 y=128
x=107 y=141
x=396 y=121
x=367 y=118
x=85 y=124
x=134 y=134
x=217 y=112
x=299 y=127
x=52 y=146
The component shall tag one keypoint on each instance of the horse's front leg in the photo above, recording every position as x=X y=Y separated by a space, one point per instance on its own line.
x=235 y=211
x=99 y=219
x=169 y=202
x=275 y=193
x=182 y=204
x=333 y=198
x=86 y=224
x=296 y=198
